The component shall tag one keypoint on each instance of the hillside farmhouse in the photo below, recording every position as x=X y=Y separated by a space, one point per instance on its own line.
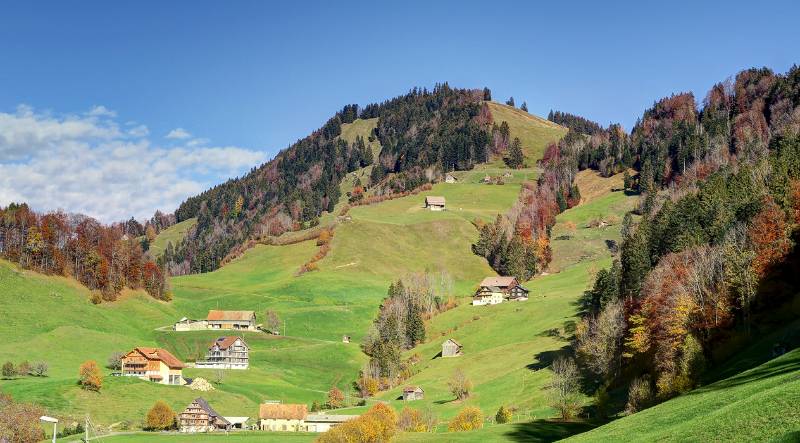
x=435 y=203
x=295 y=418
x=153 y=364
x=451 y=348
x=494 y=290
x=199 y=416
x=239 y=320
x=413 y=393
x=227 y=353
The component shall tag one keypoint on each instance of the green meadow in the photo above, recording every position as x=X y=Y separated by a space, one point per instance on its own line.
x=171 y=235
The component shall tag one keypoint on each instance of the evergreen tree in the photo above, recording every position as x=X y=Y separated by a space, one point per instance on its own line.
x=415 y=325
x=510 y=101
x=516 y=158
x=487 y=94
x=524 y=106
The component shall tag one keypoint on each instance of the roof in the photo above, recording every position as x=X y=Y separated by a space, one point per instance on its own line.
x=230 y=315
x=226 y=342
x=329 y=418
x=434 y=200
x=499 y=282
x=413 y=389
x=282 y=411
x=211 y=412
x=454 y=342
x=162 y=355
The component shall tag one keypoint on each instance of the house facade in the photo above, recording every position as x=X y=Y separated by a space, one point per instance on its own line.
x=153 y=364
x=199 y=416
x=237 y=320
x=413 y=393
x=281 y=417
x=226 y=353
x=494 y=290
x=435 y=203
x=451 y=348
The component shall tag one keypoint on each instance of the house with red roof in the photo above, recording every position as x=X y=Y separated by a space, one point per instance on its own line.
x=153 y=364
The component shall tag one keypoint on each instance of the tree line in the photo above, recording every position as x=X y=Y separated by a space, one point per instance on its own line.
x=101 y=257
x=703 y=262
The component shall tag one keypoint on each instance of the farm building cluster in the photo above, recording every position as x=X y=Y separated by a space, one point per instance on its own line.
x=495 y=290
x=216 y=319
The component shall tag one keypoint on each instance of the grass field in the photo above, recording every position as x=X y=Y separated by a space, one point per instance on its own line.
x=760 y=404
x=534 y=132
x=172 y=234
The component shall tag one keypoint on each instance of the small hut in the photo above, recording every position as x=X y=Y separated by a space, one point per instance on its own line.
x=451 y=348
x=413 y=393
x=435 y=203
x=345 y=339
x=450 y=178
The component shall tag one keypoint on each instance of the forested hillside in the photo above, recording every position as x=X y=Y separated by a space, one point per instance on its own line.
x=711 y=261
x=422 y=134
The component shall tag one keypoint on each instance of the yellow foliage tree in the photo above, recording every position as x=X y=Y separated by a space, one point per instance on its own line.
x=160 y=417
x=379 y=424
x=90 y=377
x=468 y=419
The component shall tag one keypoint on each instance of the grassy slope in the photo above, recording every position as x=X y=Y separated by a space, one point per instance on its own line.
x=757 y=405
x=172 y=234
x=534 y=132
x=381 y=243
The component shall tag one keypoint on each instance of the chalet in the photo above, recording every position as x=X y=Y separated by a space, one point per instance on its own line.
x=435 y=203
x=199 y=416
x=450 y=178
x=241 y=320
x=153 y=364
x=494 y=290
x=413 y=393
x=281 y=417
x=227 y=353
x=451 y=348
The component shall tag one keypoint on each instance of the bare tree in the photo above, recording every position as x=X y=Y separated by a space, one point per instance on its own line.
x=460 y=385
x=564 y=389
x=600 y=340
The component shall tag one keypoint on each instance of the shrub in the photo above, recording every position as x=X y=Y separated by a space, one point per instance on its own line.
x=115 y=361
x=24 y=368
x=40 y=369
x=160 y=417
x=468 y=419
x=90 y=377
x=379 y=424
x=411 y=420
x=503 y=415
x=640 y=395
x=8 y=370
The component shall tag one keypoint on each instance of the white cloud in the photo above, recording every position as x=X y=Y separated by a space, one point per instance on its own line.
x=139 y=131
x=101 y=111
x=178 y=134
x=81 y=164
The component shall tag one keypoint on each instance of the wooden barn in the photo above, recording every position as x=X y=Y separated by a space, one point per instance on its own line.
x=451 y=348
x=435 y=203
x=413 y=393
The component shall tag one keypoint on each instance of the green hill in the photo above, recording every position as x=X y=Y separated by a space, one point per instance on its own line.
x=172 y=235
x=759 y=404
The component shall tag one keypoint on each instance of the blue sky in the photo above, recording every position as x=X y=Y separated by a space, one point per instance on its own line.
x=252 y=77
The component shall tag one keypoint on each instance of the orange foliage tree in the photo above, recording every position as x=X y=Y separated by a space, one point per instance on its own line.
x=90 y=377
x=768 y=236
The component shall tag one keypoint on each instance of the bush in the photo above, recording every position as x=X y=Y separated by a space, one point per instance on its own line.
x=640 y=395
x=468 y=419
x=503 y=415
x=40 y=369
x=379 y=424
x=115 y=361
x=335 y=398
x=8 y=370
x=411 y=420
x=90 y=377
x=460 y=385
x=24 y=368
x=160 y=417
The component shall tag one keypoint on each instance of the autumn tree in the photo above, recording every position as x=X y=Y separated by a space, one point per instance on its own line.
x=460 y=385
x=40 y=368
x=411 y=420
x=160 y=417
x=768 y=236
x=564 y=388
x=150 y=233
x=8 y=370
x=468 y=419
x=19 y=422
x=378 y=424
x=335 y=398
x=273 y=322
x=599 y=340
x=503 y=415
x=89 y=376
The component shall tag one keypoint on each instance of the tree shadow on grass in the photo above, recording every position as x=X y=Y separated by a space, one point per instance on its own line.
x=547 y=430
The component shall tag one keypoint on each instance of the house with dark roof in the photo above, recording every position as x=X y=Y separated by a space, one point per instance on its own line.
x=435 y=203
x=240 y=320
x=199 y=416
x=494 y=290
x=153 y=364
x=229 y=352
